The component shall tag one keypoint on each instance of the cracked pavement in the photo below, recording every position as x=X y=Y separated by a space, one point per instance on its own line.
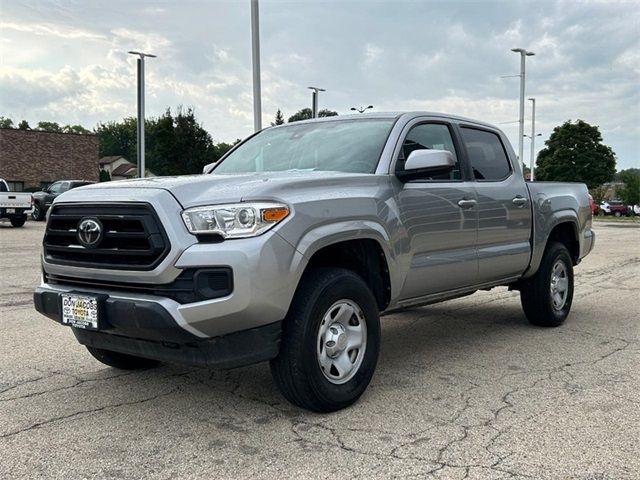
x=463 y=389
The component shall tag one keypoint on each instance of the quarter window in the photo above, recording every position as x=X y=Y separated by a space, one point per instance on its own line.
x=488 y=158
x=430 y=136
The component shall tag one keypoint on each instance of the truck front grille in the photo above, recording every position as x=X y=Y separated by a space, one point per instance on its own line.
x=132 y=237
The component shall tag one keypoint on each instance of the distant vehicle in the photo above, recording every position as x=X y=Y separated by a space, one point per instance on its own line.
x=14 y=205
x=43 y=200
x=595 y=209
x=615 y=208
x=634 y=209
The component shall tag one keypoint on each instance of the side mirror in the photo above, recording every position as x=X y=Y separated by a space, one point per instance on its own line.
x=208 y=167
x=426 y=163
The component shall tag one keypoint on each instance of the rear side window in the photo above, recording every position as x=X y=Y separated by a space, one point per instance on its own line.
x=486 y=154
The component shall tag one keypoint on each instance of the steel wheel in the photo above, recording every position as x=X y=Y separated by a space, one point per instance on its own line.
x=342 y=341
x=559 y=285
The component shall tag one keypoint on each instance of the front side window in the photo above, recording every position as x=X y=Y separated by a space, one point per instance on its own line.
x=55 y=188
x=341 y=146
x=431 y=136
x=487 y=156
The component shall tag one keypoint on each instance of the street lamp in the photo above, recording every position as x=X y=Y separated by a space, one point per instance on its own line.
x=523 y=54
x=140 y=129
x=361 y=110
x=255 y=62
x=314 y=100
x=533 y=138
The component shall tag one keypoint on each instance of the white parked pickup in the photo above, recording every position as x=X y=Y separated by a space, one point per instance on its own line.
x=14 y=205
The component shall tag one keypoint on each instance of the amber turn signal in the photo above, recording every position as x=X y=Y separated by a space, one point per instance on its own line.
x=274 y=214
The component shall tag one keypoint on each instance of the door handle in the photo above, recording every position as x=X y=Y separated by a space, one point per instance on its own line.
x=519 y=201
x=464 y=203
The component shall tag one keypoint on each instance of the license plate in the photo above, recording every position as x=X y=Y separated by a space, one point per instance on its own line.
x=80 y=311
x=11 y=210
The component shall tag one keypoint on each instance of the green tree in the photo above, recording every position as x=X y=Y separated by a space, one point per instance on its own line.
x=24 y=125
x=49 y=127
x=305 y=114
x=575 y=153
x=104 y=176
x=630 y=192
x=75 y=129
x=279 y=119
x=6 y=122
x=118 y=138
x=598 y=193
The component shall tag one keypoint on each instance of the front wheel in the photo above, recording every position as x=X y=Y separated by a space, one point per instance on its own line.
x=121 y=361
x=330 y=341
x=547 y=296
x=38 y=213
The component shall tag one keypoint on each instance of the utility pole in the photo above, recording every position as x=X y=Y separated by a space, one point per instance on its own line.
x=140 y=129
x=255 y=60
x=314 y=100
x=523 y=54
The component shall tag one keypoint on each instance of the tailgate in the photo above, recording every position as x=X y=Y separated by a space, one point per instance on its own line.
x=15 y=200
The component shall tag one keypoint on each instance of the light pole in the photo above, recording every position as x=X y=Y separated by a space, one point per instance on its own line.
x=523 y=54
x=140 y=129
x=533 y=138
x=314 y=100
x=255 y=61
x=361 y=109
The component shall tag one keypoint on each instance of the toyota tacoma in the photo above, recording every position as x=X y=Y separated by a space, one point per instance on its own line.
x=292 y=246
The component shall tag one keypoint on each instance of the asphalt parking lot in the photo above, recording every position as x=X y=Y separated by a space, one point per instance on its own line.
x=464 y=389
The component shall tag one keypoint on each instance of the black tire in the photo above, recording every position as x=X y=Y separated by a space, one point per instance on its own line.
x=617 y=213
x=536 y=296
x=18 y=221
x=38 y=213
x=121 y=361
x=296 y=370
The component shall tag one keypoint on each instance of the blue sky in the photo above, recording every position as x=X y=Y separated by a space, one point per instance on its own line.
x=66 y=61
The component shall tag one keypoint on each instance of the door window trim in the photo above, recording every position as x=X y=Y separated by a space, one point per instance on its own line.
x=460 y=154
x=506 y=153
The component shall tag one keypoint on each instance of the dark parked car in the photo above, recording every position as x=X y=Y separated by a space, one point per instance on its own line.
x=615 y=208
x=43 y=200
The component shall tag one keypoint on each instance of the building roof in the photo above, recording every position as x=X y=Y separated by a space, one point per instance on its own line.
x=110 y=159
x=125 y=170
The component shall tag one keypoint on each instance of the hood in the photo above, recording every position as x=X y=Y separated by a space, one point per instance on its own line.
x=194 y=190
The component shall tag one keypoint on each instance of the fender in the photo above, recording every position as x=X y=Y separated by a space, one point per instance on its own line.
x=336 y=232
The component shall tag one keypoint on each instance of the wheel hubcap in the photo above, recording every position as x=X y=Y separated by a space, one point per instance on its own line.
x=559 y=285
x=342 y=341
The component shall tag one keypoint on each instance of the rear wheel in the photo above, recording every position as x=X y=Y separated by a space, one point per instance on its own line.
x=121 y=361
x=547 y=296
x=18 y=221
x=38 y=213
x=617 y=213
x=330 y=341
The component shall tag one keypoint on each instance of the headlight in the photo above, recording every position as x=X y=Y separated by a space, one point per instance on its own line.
x=238 y=220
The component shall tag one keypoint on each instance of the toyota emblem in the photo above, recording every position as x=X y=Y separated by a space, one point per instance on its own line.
x=90 y=232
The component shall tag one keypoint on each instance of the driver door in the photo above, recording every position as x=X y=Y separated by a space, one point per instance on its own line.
x=439 y=216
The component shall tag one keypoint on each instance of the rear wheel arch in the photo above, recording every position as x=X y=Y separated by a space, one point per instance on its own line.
x=566 y=233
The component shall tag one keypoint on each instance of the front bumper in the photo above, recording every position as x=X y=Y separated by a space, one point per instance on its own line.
x=146 y=329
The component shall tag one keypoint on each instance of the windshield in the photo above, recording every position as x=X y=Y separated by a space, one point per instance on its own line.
x=340 y=146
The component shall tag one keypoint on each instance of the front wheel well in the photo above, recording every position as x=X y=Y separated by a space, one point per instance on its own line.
x=364 y=257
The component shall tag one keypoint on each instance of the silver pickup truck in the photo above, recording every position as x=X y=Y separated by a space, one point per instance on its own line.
x=292 y=246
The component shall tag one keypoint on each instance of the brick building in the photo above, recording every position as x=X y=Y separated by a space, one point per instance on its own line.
x=31 y=160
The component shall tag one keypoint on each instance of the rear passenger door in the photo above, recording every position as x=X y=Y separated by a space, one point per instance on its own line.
x=504 y=212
